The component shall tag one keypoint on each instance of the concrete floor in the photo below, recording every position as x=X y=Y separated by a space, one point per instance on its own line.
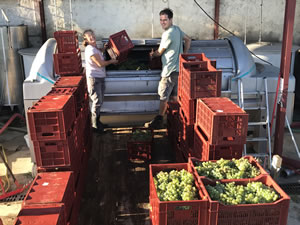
x=117 y=190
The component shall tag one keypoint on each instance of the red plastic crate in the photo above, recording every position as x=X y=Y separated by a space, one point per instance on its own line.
x=58 y=154
x=206 y=151
x=140 y=149
x=196 y=62
x=275 y=213
x=119 y=46
x=77 y=82
x=222 y=121
x=175 y=212
x=67 y=41
x=50 y=214
x=79 y=97
x=198 y=76
x=51 y=118
x=68 y=63
x=193 y=161
x=201 y=84
x=187 y=108
x=52 y=187
x=71 y=81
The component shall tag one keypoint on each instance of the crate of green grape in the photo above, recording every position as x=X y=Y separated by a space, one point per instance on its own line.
x=257 y=201
x=139 y=145
x=174 y=195
x=227 y=169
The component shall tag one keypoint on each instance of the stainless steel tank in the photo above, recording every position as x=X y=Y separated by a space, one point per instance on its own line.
x=12 y=38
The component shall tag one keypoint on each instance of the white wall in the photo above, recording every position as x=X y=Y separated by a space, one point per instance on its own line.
x=141 y=20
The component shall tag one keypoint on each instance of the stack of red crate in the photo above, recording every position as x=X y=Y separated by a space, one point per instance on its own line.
x=220 y=129
x=198 y=78
x=60 y=129
x=52 y=188
x=68 y=59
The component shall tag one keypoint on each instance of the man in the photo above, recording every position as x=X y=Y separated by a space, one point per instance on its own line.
x=171 y=46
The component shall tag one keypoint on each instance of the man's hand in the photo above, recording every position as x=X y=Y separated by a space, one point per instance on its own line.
x=151 y=54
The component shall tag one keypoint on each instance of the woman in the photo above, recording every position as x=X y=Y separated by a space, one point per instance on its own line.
x=95 y=74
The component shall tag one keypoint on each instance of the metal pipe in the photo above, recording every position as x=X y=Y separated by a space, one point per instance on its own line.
x=289 y=18
x=217 y=18
x=42 y=20
x=5 y=17
x=260 y=27
x=71 y=15
x=291 y=163
x=10 y=121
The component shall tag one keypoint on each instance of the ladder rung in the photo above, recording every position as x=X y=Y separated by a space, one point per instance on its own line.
x=257 y=123
x=255 y=108
x=257 y=139
x=258 y=154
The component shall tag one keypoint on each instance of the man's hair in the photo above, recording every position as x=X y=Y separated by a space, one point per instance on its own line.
x=85 y=42
x=167 y=12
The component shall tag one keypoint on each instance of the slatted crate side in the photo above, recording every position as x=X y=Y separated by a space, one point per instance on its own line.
x=187 y=108
x=68 y=63
x=67 y=41
x=196 y=62
x=222 y=121
x=206 y=151
x=172 y=120
x=187 y=130
x=175 y=212
x=50 y=214
x=52 y=117
x=57 y=154
x=275 y=213
x=200 y=84
x=52 y=187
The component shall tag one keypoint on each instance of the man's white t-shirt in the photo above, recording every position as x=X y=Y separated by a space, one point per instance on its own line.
x=171 y=41
x=92 y=70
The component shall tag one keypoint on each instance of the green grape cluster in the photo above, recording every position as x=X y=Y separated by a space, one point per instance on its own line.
x=141 y=135
x=175 y=186
x=232 y=194
x=227 y=169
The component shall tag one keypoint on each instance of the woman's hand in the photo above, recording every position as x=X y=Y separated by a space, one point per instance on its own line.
x=114 y=61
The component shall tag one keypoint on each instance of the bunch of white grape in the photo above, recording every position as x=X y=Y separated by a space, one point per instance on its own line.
x=175 y=186
x=232 y=194
x=227 y=169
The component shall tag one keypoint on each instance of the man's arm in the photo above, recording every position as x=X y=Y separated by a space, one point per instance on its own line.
x=187 y=43
x=157 y=52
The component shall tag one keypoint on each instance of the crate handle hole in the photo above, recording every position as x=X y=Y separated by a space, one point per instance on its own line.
x=47 y=134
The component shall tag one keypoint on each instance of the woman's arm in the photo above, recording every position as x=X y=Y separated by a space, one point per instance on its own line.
x=102 y=63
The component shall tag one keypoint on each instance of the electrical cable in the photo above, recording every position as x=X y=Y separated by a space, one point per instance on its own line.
x=228 y=31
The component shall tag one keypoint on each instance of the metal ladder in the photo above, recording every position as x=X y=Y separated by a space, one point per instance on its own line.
x=266 y=122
